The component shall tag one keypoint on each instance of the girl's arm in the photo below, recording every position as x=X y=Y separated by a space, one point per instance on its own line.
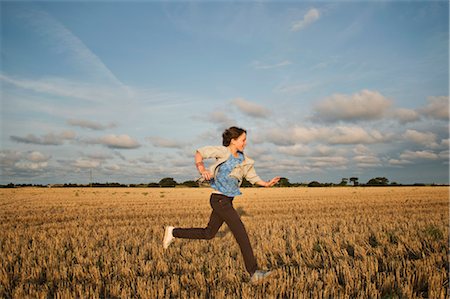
x=268 y=184
x=201 y=166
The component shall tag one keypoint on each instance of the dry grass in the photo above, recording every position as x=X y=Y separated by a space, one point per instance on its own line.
x=322 y=243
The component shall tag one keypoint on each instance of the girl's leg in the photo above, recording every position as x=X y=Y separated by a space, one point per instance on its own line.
x=224 y=207
x=215 y=222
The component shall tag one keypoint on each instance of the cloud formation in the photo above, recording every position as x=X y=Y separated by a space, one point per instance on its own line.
x=114 y=141
x=48 y=139
x=437 y=108
x=86 y=163
x=427 y=139
x=330 y=135
x=362 y=106
x=166 y=143
x=119 y=141
x=251 y=109
x=13 y=161
x=310 y=17
x=367 y=161
x=418 y=155
x=37 y=157
x=87 y=124
x=404 y=115
x=68 y=88
x=355 y=135
x=328 y=162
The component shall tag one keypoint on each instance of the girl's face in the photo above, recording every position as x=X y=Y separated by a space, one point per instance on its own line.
x=240 y=142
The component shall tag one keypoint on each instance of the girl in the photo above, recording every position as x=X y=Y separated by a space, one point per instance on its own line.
x=225 y=176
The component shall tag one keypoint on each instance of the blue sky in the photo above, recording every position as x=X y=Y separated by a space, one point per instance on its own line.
x=129 y=90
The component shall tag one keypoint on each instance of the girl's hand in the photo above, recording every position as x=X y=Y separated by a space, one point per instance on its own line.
x=206 y=175
x=273 y=181
x=270 y=183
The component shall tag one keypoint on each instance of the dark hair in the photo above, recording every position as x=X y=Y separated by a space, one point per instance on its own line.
x=231 y=133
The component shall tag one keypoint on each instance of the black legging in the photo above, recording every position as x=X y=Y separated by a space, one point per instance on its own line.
x=223 y=211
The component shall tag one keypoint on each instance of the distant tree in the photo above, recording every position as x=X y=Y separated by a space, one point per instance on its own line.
x=343 y=182
x=153 y=185
x=314 y=184
x=283 y=182
x=167 y=182
x=192 y=184
x=354 y=180
x=379 y=181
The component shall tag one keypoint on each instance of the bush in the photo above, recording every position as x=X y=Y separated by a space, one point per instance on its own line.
x=192 y=184
x=167 y=183
x=314 y=184
x=379 y=181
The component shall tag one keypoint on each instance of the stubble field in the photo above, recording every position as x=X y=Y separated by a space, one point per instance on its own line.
x=348 y=242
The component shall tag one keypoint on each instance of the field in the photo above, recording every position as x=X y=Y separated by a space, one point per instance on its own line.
x=348 y=242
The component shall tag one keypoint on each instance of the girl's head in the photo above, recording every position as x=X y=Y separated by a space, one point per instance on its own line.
x=235 y=136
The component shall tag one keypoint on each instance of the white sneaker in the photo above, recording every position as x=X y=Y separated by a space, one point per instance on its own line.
x=259 y=276
x=168 y=236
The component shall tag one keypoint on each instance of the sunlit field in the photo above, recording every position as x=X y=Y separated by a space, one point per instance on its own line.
x=349 y=242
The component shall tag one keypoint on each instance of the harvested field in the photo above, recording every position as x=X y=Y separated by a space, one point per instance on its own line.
x=349 y=242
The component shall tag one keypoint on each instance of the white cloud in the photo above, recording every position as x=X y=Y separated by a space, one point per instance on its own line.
x=396 y=162
x=23 y=165
x=295 y=135
x=324 y=150
x=263 y=66
x=166 y=143
x=86 y=163
x=114 y=141
x=310 y=17
x=297 y=150
x=48 y=139
x=113 y=167
x=9 y=157
x=330 y=135
x=437 y=108
x=146 y=159
x=83 y=123
x=404 y=115
x=12 y=161
x=418 y=155
x=364 y=161
x=427 y=139
x=97 y=156
x=250 y=108
x=361 y=149
x=219 y=118
x=328 y=162
x=119 y=141
x=362 y=106
x=355 y=135
x=37 y=157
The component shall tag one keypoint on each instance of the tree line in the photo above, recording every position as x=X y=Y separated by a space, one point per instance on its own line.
x=169 y=182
